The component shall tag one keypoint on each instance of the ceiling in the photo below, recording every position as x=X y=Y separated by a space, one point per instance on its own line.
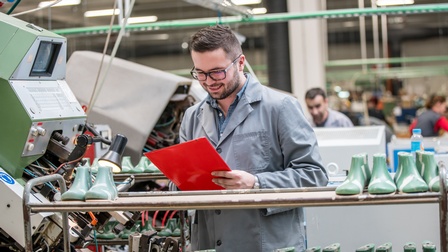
x=341 y=30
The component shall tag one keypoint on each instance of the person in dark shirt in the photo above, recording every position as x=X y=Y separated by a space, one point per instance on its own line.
x=432 y=120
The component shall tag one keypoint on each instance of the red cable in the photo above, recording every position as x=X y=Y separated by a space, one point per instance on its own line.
x=154 y=217
x=173 y=213
x=164 y=218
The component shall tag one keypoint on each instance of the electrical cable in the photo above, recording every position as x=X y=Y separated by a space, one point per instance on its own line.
x=106 y=45
x=164 y=217
x=13 y=7
x=112 y=56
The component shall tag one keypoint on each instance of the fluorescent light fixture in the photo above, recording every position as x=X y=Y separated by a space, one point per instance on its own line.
x=101 y=13
x=245 y=2
x=226 y=6
x=257 y=11
x=61 y=3
x=144 y=19
x=393 y=2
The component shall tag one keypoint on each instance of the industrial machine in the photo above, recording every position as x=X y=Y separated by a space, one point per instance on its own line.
x=41 y=119
x=45 y=130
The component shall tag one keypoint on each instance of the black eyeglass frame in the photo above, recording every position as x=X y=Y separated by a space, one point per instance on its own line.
x=194 y=73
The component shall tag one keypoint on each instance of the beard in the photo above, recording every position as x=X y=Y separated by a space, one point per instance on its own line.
x=231 y=87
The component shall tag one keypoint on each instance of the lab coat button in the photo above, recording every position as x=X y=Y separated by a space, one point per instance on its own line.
x=219 y=150
x=218 y=212
x=218 y=242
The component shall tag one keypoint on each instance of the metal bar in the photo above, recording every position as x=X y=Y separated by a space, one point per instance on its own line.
x=266 y=18
x=243 y=199
x=356 y=62
x=139 y=176
x=443 y=207
x=27 y=209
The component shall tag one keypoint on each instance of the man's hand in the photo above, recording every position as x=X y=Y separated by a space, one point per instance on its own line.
x=234 y=179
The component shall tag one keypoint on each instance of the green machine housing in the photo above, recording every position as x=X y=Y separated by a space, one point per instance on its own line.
x=38 y=109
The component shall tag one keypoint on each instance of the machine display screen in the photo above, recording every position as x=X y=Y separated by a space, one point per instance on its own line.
x=45 y=60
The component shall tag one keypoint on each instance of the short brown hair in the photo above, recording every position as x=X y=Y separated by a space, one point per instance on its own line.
x=215 y=37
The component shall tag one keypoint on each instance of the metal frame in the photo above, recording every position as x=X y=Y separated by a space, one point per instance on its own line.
x=227 y=199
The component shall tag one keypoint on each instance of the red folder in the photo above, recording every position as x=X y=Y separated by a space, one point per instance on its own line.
x=189 y=164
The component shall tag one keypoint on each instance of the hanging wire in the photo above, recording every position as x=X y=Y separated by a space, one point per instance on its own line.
x=112 y=56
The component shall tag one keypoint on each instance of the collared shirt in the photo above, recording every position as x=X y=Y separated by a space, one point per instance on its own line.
x=221 y=119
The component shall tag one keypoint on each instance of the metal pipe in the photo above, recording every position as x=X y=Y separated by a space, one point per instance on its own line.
x=244 y=199
x=266 y=18
x=27 y=209
x=362 y=36
x=355 y=62
x=443 y=207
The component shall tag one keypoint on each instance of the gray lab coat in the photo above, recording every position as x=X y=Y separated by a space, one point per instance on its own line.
x=267 y=135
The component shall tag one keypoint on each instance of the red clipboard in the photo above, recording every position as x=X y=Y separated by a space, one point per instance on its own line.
x=189 y=164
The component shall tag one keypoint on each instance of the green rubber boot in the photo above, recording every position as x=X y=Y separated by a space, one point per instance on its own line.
x=104 y=186
x=408 y=180
x=410 y=247
x=81 y=184
x=386 y=247
x=141 y=166
x=428 y=246
x=314 y=249
x=126 y=164
x=381 y=181
x=357 y=178
x=429 y=170
x=107 y=231
x=335 y=247
x=366 y=248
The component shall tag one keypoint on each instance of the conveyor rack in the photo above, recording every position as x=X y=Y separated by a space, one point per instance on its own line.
x=226 y=199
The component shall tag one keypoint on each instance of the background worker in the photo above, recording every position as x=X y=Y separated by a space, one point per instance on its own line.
x=321 y=115
x=432 y=120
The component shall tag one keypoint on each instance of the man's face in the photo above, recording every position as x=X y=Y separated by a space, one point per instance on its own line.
x=206 y=62
x=318 y=108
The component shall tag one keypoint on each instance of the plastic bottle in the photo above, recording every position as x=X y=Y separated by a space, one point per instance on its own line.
x=416 y=141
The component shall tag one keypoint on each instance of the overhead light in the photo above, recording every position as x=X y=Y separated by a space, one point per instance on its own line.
x=101 y=13
x=393 y=2
x=144 y=19
x=61 y=3
x=225 y=6
x=245 y=2
x=258 y=11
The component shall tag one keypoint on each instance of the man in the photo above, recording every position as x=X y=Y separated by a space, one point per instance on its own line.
x=322 y=116
x=262 y=135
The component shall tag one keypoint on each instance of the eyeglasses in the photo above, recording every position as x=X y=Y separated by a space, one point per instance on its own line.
x=214 y=75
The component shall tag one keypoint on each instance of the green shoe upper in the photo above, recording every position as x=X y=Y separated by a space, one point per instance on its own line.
x=381 y=181
x=335 y=247
x=386 y=247
x=430 y=170
x=408 y=180
x=357 y=177
x=126 y=164
x=104 y=186
x=81 y=184
x=368 y=248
